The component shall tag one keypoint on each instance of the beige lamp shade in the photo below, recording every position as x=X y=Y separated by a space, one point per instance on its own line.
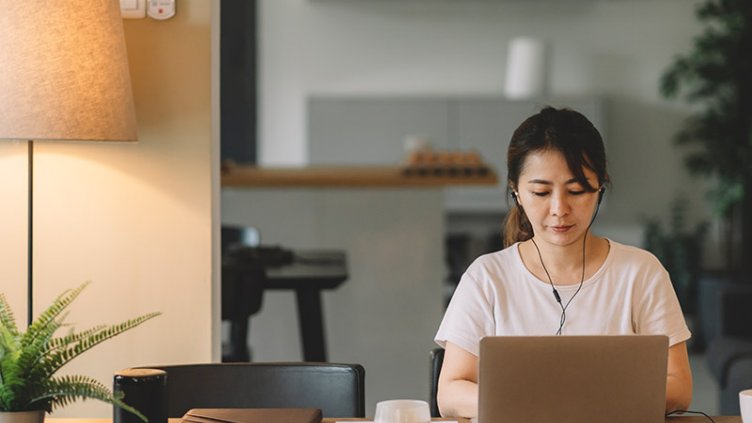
x=64 y=71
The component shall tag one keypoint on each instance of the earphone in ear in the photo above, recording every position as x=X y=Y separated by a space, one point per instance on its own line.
x=514 y=197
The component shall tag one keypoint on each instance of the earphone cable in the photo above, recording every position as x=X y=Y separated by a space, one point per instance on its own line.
x=563 y=317
x=582 y=280
x=690 y=412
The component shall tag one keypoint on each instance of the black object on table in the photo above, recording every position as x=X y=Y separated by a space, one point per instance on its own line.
x=248 y=271
x=143 y=389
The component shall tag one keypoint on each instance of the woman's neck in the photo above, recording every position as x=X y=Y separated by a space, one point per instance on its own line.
x=564 y=264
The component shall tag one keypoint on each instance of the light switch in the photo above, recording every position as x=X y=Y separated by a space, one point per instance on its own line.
x=133 y=9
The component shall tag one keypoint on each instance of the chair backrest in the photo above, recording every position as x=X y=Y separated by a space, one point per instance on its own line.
x=337 y=389
x=437 y=359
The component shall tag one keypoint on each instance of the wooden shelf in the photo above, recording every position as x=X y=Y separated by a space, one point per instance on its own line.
x=346 y=176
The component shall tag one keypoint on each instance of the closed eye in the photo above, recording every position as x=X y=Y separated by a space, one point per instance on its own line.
x=541 y=193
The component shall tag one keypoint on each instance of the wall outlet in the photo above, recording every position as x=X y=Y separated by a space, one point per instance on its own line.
x=161 y=9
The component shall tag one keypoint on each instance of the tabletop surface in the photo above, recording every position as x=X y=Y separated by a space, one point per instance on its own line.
x=311 y=264
x=673 y=419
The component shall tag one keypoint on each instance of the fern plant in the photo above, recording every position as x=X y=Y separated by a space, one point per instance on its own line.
x=30 y=359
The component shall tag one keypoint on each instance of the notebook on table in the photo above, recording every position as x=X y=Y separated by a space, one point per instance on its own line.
x=252 y=415
x=572 y=379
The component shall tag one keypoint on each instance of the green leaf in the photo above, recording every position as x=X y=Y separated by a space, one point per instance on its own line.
x=29 y=360
x=41 y=325
x=59 y=392
x=7 y=319
x=716 y=75
x=55 y=360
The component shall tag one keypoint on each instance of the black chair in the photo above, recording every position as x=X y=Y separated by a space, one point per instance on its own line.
x=729 y=353
x=337 y=389
x=437 y=359
x=730 y=363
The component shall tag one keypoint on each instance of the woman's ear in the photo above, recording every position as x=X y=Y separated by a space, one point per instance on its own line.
x=513 y=193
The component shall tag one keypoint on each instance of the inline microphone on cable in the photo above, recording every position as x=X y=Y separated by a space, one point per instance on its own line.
x=556 y=295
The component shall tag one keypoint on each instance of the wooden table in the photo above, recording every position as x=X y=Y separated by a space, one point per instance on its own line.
x=672 y=419
x=310 y=273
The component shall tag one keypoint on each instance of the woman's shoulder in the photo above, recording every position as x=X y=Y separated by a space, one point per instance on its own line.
x=497 y=260
x=507 y=254
x=630 y=255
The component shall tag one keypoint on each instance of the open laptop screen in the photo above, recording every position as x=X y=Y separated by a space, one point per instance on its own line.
x=573 y=379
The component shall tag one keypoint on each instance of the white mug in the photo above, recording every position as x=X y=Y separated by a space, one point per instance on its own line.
x=402 y=411
x=745 y=404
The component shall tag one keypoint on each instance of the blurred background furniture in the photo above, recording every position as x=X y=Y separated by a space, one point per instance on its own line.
x=337 y=389
x=437 y=360
x=729 y=348
x=247 y=271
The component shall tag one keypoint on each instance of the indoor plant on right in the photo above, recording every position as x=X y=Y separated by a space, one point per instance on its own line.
x=30 y=359
x=716 y=76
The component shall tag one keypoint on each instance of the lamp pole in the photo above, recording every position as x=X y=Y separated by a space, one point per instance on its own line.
x=30 y=237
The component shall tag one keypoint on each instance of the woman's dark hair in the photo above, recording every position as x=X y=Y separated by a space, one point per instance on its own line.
x=562 y=130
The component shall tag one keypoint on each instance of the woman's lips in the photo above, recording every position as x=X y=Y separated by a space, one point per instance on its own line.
x=561 y=228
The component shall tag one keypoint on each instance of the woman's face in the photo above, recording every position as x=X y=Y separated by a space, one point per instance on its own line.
x=558 y=207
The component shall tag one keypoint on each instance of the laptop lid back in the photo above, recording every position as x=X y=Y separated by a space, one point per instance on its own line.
x=573 y=379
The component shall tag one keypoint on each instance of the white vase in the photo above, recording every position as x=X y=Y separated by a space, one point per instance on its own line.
x=36 y=416
x=526 y=69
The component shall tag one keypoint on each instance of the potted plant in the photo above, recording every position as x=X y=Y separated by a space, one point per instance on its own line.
x=30 y=359
x=716 y=77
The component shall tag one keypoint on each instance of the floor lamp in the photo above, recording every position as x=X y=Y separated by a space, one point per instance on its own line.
x=63 y=76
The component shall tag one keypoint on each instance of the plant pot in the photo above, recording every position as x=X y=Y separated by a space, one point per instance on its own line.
x=35 y=416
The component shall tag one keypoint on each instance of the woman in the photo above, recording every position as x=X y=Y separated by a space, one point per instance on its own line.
x=554 y=276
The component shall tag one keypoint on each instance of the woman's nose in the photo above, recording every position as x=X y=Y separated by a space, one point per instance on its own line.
x=559 y=205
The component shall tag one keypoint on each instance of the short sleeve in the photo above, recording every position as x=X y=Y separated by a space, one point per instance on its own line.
x=469 y=316
x=658 y=311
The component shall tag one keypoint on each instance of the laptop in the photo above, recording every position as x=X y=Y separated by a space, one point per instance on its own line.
x=572 y=379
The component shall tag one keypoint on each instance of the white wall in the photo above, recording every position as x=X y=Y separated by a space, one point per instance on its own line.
x=616 y=48
x=136 y=219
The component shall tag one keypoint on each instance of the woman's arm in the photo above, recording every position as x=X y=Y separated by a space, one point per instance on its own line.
x=458 y=383
x=679 y=379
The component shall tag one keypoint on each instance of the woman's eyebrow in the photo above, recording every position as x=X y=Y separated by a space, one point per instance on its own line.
x=540 y=181
x=546 y=182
